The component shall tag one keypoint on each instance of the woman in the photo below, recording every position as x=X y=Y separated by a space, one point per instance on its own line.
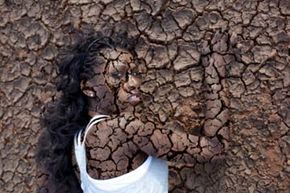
x=101 y=81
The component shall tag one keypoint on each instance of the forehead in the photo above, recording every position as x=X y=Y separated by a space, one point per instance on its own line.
x=113 y=57
x=116 y=54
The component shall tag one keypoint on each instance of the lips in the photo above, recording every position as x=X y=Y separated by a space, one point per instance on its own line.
x=134 y=98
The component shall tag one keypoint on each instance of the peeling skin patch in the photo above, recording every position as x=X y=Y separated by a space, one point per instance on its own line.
x=233 y=73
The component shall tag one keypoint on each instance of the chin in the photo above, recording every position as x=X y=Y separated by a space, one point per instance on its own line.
x=125 y=105
x=128 y=103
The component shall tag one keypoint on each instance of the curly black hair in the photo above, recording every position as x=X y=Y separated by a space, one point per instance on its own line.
x=64 y=117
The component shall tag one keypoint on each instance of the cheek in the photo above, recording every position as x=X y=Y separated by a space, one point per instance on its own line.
x=112 y=82
x=138 y=81
x=103 y=91
x=122 y=95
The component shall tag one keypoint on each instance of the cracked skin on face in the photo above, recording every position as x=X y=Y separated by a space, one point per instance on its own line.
x=115 y=85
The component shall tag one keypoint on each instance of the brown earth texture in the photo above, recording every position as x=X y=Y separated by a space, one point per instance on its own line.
x=226 y=61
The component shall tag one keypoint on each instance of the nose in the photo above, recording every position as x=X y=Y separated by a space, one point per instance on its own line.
x=133 y=83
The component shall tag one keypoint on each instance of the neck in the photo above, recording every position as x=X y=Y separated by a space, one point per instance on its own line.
x=103 y=111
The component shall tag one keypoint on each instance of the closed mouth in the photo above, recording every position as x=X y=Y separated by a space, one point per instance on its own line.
x=134 y=98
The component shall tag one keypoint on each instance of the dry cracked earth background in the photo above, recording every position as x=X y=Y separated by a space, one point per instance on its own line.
x=227 y=60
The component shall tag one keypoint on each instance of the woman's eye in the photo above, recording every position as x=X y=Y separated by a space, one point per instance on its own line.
x=136 y=74
x=117 y=74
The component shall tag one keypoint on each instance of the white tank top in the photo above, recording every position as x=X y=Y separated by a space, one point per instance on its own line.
x=150 y=177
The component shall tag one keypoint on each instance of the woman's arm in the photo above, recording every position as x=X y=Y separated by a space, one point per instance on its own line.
x=121 y=137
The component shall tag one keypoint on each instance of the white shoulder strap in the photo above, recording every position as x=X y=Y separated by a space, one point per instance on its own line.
x=96 y=119
x=79 y=144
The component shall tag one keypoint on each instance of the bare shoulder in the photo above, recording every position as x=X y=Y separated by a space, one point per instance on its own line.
x=110 y=147
x=112 y=129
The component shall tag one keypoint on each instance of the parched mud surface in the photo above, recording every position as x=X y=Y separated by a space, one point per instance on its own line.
x=225 y=62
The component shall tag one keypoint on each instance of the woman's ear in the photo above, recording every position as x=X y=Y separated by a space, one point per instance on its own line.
x=87 y=90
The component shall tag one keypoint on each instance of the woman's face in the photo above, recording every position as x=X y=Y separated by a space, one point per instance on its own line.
x=123 y=74
x=117 y=79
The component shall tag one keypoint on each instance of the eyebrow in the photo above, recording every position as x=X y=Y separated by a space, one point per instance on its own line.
x=121 y=66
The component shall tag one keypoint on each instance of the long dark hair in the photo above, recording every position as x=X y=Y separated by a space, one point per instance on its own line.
x=68 y=114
